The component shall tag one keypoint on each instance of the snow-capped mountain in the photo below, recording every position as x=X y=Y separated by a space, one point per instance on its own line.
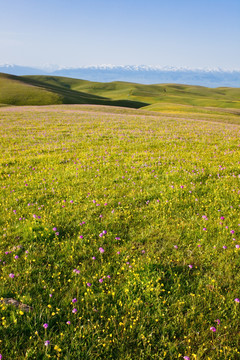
x=145 y=74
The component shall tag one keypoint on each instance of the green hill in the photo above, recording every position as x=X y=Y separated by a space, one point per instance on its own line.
x=161 y=93
x=19 y=90
x=44 y=90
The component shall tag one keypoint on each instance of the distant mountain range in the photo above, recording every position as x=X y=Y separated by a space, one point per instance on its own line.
x=136 y=73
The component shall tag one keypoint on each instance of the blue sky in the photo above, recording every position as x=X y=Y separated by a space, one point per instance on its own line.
x=192 y=33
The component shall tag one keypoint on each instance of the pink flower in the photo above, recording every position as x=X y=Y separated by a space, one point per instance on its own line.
x=100 y=280
x=190 y=266
x=101 y=250
x=11 y=275
x=237 y=300
x=74 y=311
x=212 y=328
x=45 y=326
x=217 y=321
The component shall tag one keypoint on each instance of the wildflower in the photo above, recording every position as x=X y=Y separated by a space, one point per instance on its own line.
x=190 y=266
x=74 y=311
x=68 y=322
x=47 y=342
x=16 y=257
x=186 y=358
x=100 y=280
x=101 y=250
x=54 y=229
x=74 y=300
x=11 y=275
x=212 y=328
x=237 y=246
x=45 y=326
x=175 y=247
x=232 y=231
x=89 y=284
x=224 y=247
x=0 y=356
x=237 y=300
x=93 y=258
x=217 y=321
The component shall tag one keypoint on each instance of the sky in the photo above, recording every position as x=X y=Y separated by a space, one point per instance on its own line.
x=72 y=33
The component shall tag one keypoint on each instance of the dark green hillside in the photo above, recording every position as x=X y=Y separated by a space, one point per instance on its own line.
x=44 y=90
x=161 y=94
x=18 y=90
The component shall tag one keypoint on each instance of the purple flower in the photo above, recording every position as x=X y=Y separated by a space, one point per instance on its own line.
x=93 y=258
x=76 y=271
x=204 y=229
x=16 y=257
x=100 y=280
x=45 y=326
x=117 y=238
x=11 y=275
x=118 y=252
x=74 y=311
x=89 y=284
x=101 y=234
x=175 y=247
x=47 y=342
x=224 y=247
x=190 y=266
x=237 y=300
x=222 y=217
x=237 y=246
x=68 y=322
x=109 y=276
x=0 y=356
x=104 y=232
x=186 y=358
x=74 y=300
x=212 y=328
x=101 y=250
x=217 y=321
x=232 y=231
x=50 y=295
x=54 y=229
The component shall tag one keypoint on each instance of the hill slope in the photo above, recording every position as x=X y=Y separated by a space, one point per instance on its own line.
x=18 y=90
x=151 y=94
x=45 y=90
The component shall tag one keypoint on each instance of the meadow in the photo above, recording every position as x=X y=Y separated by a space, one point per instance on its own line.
x=120 y=233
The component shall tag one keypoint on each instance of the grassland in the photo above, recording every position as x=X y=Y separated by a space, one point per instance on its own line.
x=46 y=90
x=120 y=229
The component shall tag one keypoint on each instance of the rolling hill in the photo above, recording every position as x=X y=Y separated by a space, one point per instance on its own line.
x=18 y=90
x=45 y=90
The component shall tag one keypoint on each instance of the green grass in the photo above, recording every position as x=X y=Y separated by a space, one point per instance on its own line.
x=18 y=90
x=162 y=93
x=159 y=193
x=46 y=90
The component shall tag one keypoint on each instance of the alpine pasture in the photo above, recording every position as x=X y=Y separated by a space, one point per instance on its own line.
x=120 y=233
